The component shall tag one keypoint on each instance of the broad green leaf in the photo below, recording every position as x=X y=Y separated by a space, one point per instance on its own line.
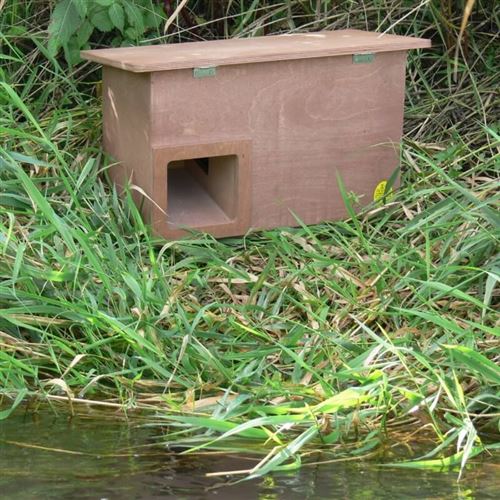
x=72 y=52
x=64 y=22
x=117 y=16
x=135 y=17
x=153 y=18
x=101 y=21
x=81 y=6
x=131 y=34
x=84 y=33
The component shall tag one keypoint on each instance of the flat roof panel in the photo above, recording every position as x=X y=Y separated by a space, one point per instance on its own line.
x=251 y=50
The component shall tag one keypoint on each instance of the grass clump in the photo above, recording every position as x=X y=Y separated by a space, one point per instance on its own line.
x=349 y=337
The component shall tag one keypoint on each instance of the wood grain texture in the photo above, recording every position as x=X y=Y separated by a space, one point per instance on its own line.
x=127 y=131
x=294 y=125
x=308 y=121
x=251 y=50
x=207 y=217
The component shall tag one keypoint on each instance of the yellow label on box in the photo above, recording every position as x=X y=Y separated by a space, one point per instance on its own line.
x=379 y=192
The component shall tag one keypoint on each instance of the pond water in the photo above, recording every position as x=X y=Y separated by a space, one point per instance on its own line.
x=45 y=456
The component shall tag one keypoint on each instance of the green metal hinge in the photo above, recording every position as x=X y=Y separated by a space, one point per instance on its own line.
x=367 y=57
x=204 y=72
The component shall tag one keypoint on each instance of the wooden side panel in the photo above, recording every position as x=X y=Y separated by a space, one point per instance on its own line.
x=307 y=120
x=220 y=181
x=126 y=130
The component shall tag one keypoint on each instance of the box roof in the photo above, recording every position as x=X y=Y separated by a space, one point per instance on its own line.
x=251 y=50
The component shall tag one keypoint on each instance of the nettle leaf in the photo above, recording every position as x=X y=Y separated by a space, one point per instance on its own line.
x=101 y=20
x=64 y=22
x=135 y=17
x=117 y=16
x=72 y=52
x=131 y=34
x=84 y=32
x=153 y=18
x=81 y=7
x=104 y=3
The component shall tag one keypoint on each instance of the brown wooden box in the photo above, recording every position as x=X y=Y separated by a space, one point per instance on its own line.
x=228 y=135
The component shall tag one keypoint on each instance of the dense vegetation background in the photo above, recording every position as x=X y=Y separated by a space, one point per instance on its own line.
x=342 y=336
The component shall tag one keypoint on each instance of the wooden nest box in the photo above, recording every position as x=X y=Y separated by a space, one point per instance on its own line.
x=228 y=135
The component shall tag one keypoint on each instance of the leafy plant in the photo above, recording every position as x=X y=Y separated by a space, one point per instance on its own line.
x=125 y=22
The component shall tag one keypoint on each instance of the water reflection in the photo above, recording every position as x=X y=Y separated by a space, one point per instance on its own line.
x=112 y=460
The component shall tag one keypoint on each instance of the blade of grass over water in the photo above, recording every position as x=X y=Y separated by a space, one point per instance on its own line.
x=349 y=338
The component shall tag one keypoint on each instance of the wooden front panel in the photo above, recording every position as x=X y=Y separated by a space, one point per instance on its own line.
x=307 y=120
x=217 y=202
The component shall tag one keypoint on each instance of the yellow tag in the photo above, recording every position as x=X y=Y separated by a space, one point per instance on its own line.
x=379 y=192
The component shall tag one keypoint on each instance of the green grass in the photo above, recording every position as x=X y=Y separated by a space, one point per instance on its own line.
x=349 y=337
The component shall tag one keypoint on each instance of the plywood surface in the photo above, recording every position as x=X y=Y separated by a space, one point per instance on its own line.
x=183 y=200
x=126 y=130
x=308 y=121
x=189 y=204
x=251 y=50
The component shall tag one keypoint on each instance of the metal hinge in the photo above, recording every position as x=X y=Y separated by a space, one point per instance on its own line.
x=204 y=72
x=364 y=58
